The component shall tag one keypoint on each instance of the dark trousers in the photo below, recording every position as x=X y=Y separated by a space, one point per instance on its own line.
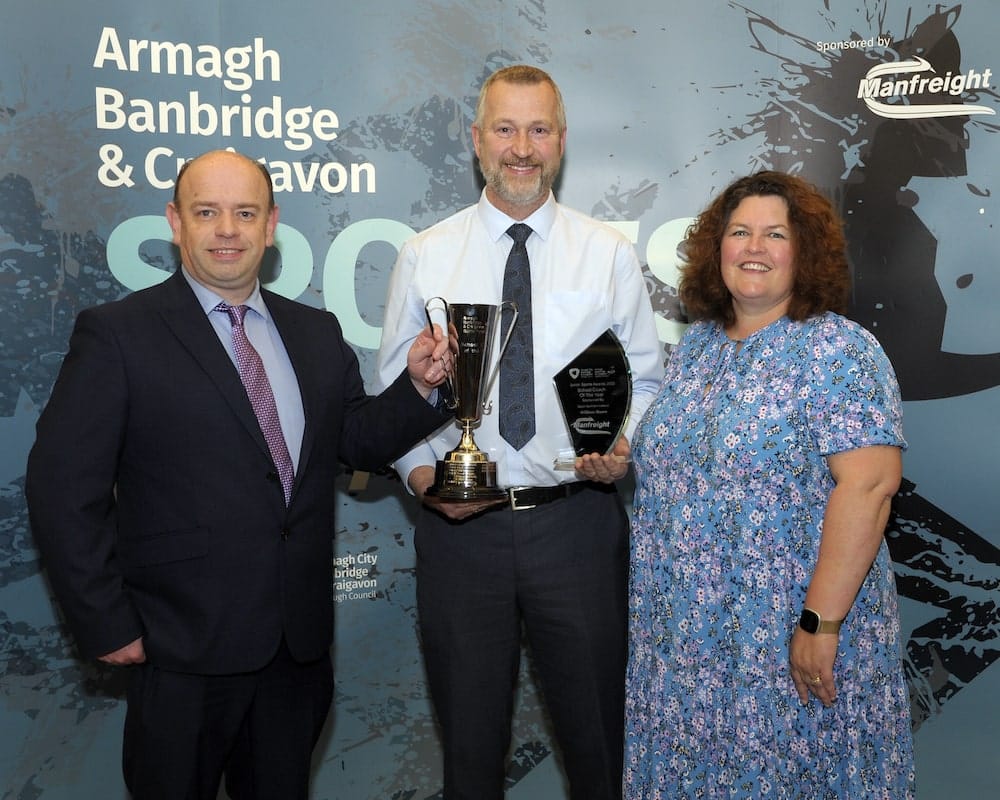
x=183 y=732
x=561 y=569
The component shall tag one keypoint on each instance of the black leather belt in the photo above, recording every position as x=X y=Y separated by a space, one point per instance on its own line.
x=524 y=497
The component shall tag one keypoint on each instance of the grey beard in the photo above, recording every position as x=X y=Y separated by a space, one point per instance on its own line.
x=518 y=196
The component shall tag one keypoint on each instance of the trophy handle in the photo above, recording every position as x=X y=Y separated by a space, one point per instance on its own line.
x=487 y=405
x=452 y=401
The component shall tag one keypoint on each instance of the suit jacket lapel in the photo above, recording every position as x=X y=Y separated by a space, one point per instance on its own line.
x=186 y=319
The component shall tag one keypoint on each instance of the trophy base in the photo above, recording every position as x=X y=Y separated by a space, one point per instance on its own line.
x=464 y=477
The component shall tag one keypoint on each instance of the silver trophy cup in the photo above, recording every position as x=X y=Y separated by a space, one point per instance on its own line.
x=466 y=473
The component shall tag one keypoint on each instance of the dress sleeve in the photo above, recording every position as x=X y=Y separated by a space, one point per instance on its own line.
x=852 y=398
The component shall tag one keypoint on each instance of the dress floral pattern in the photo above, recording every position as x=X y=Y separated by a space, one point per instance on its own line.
x=732 y=485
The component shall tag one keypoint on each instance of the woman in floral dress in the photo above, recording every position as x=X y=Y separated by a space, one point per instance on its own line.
x=765 y=645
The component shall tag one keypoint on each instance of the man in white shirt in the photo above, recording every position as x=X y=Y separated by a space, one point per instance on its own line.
x=554 y=552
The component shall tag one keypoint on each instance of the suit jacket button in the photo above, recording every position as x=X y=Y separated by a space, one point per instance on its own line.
x=284 y=535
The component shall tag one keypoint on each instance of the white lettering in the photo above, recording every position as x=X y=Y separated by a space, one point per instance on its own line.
x=873 y=85
x=298 y=127
x=109 y=48
x=238 y=66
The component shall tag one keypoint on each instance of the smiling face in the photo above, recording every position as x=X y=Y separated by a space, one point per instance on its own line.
x=758 y=260
x=222 y=222
x=519 y=144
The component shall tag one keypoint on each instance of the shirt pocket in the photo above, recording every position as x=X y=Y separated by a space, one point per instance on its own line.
x=570 y=320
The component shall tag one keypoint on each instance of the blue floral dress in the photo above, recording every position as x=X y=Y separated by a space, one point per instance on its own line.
x=732 y=484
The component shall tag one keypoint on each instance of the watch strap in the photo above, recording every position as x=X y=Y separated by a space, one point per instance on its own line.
x=812 y=622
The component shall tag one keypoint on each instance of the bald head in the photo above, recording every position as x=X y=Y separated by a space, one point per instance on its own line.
x=218 y=157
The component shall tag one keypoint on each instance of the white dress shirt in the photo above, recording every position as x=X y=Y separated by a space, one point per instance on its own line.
x=585 y=279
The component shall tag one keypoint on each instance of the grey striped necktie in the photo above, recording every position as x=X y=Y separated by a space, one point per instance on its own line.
x=517 y=366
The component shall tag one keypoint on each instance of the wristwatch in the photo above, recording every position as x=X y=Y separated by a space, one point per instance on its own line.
x=811 y=622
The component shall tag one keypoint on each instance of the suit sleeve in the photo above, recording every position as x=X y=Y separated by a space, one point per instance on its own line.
x=70 y=483
x=378 y=429
x=404 y=317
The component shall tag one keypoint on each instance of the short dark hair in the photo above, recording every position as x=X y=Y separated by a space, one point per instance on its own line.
x=822 y=275
x=525 y=75
x=258 y=164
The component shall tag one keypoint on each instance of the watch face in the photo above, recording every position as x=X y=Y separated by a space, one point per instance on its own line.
x=809 y=621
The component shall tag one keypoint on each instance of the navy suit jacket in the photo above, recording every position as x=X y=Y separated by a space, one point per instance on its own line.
x=154 y=500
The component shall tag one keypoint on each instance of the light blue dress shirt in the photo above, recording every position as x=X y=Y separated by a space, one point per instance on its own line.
x=264 y=336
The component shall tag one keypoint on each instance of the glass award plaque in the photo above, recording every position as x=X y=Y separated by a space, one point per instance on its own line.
x=595 y=392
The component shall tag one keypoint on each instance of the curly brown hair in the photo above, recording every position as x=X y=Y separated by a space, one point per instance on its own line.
x=822 y=276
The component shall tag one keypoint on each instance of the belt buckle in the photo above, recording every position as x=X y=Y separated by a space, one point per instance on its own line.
x=514 y=504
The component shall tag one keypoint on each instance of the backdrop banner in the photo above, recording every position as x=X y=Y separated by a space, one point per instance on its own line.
x=362 y=112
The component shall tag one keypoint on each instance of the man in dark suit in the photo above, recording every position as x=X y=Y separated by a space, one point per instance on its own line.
x=185 y=535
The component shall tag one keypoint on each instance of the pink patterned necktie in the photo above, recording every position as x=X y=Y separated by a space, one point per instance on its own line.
x=251 y=370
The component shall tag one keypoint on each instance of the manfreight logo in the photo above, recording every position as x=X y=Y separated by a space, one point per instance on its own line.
x=879 y=85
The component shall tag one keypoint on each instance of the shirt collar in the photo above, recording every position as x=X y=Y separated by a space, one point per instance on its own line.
x=209 y=299
x=497 y=223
